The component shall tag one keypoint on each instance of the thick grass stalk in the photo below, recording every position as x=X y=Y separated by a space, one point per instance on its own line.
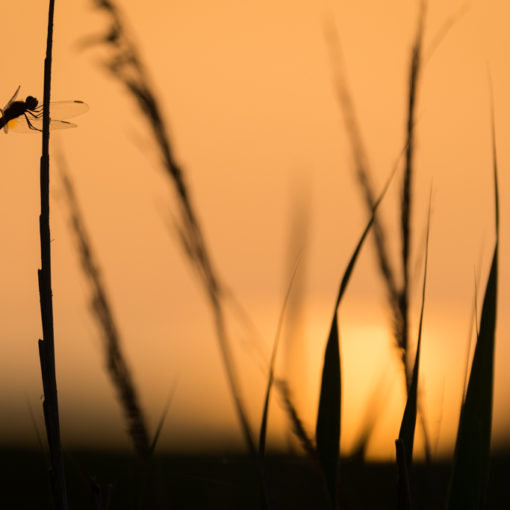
x=47 y=344
x=470 y=472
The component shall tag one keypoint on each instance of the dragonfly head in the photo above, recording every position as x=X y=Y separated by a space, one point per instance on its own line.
x=31 y=102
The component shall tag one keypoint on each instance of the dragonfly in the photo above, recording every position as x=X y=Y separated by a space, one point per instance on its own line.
x=27 y=116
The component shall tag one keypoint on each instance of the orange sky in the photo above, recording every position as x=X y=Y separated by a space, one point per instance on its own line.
x=247 y=90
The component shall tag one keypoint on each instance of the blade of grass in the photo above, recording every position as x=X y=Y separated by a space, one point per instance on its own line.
x=265 y=411
x=469 y=477
x=398 y=295
x=47 y=344
x=328 y=418
x=328 y=423
x=405 y=440
x=161 y=422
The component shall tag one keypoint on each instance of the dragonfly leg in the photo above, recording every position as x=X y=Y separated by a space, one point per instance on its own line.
x=30 y=125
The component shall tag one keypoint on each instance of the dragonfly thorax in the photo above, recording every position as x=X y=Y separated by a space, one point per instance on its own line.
x=31 y=102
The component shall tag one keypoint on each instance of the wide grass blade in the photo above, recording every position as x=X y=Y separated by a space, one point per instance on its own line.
x=328 y=418
x=472 y=450
x=405 y=439
x=327 y=429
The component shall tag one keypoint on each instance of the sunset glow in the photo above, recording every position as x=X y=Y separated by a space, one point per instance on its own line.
x=248 y=92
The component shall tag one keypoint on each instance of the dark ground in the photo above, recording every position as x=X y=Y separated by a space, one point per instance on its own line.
x=225 y=482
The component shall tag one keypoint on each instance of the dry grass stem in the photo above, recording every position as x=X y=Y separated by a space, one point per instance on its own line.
x=116 y=364
x=47 y=344
x=126 y=65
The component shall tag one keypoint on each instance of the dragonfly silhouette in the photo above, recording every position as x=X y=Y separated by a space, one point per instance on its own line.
x=27 y=116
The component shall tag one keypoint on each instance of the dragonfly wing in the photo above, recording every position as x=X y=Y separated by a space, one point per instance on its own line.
x=34 y=125
x=63 y=109
x=12 y=99
x=60 y=124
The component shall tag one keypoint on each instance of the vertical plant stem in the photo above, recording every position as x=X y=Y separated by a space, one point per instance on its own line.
x=46 y=345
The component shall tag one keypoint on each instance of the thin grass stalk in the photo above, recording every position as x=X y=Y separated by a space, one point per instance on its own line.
x=295 y=359
x=162 y=419
x=265 y=411
x=47 y=344
x=115 y=360
x=407 y=194
x=128 y=68
x=407 y=427
x=298 y=428
x=406 y=211
x=360 y=157
x=405 y=441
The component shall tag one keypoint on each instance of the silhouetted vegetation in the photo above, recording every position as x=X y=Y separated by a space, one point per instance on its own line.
x=260 y=480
